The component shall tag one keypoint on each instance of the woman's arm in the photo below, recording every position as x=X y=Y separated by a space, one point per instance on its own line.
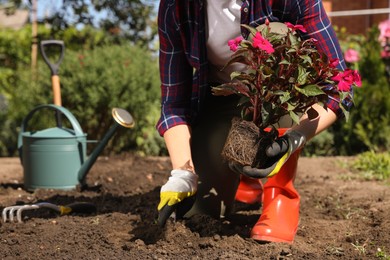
x=176 y=82
x=175 y=71
x=310 y=127
x=177 y=140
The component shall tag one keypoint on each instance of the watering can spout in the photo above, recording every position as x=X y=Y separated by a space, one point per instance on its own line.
x=121 y=118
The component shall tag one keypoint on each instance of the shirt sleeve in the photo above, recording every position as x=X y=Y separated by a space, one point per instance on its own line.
x=312 y=15
x=175 y=71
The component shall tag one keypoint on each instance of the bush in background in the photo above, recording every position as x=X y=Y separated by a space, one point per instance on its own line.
x=92 y=83
x=369 y=124
x=368 y=128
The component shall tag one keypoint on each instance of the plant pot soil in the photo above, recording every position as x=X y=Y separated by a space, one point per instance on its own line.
x=246 y=143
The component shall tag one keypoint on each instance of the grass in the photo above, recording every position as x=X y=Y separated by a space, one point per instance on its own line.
x=372 y=166
x=381 y=254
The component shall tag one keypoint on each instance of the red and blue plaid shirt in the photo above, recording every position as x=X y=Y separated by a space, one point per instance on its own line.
x=183 y=57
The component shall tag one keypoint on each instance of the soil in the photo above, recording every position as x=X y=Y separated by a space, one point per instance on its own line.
x=342 y=217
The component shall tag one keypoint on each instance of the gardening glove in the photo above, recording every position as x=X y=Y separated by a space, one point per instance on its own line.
x=181 y=186
x=278 y=153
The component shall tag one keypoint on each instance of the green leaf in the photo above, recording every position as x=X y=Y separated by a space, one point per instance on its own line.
x=235 y=74
x=293 y=39
x=294 y=117
x=291 y=107
x=250 y=29
x=284 y=62
x=306 y=58
x=266 y=112
x=285 y=97
x=223 y=90
x=231 y=88
x=302 y=75
x=310 y=90
x=346 y=114
x=292 y=50
x=343 y=95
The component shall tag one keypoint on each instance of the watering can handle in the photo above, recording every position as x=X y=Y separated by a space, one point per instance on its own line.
x=75 y=124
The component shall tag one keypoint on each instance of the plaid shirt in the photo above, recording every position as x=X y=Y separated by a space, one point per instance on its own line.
x=183 y=57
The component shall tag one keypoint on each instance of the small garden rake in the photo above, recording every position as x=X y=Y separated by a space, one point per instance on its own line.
x=9 y=213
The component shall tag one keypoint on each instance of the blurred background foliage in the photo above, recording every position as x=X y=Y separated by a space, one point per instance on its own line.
x=104 y=66
x=368 y=128
x=112 y=62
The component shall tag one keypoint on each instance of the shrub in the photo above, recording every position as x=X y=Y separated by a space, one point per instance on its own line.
x=92 y=83
x=321 y=145
x=368 y=127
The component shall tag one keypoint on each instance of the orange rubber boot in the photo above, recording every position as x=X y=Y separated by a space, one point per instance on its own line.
x=249 y=190
x=279 y=220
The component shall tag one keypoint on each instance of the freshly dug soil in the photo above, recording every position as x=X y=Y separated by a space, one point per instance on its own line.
x=342 y=217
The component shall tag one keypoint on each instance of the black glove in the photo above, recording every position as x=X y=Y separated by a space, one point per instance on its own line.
x=278 y=153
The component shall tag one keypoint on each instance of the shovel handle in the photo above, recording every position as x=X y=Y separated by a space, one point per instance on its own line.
x=55 y=80
x=54 y=72
x=53 y=66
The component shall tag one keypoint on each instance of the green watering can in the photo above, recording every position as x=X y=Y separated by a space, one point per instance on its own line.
x=56 y=158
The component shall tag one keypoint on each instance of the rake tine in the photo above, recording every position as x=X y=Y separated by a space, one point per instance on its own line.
x=19 y=211
x=7 y=212
x=11 y=212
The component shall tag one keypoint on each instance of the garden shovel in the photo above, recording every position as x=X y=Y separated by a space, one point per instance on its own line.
x=54 y=67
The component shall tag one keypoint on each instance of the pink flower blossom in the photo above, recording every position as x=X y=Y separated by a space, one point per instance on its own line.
x=384 y=28
x=346 y=79
x=233 y=44
x=385 y=54
x=262 y=44
x=333 y=63
x=296 y=27
x=352 y=56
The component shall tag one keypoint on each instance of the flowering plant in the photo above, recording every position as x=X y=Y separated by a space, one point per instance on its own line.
x=285 y=75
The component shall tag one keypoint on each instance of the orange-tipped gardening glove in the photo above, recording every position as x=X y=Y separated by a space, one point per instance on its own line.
x=181 y=185
x=278 y=153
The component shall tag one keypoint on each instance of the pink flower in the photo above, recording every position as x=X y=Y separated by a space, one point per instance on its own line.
x=346 y=79
x=233 y=44
x=384 y=28
x=296 y=27
x=385 y=54
x=357 y=78
x=333 y=63
x=352 y=56
x=262 y=44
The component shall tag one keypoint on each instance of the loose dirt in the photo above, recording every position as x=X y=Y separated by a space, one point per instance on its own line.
x=342 y=217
